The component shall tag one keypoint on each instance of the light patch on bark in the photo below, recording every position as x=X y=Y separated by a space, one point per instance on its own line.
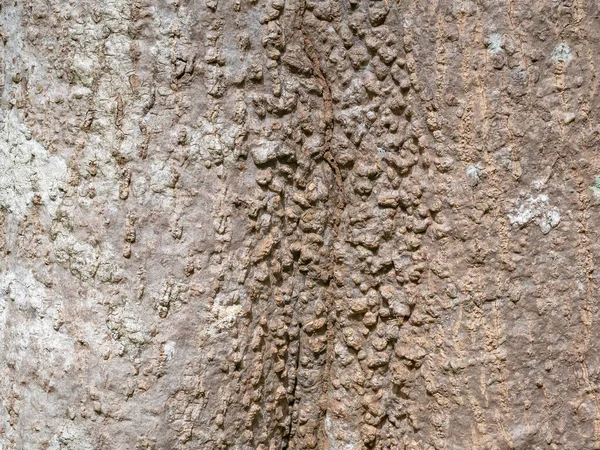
x=27 y=169
x=535 y=209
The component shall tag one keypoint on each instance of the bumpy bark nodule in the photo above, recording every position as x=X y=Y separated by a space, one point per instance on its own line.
x=299 y=224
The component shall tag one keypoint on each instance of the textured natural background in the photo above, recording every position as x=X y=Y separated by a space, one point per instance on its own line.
x=289 y=224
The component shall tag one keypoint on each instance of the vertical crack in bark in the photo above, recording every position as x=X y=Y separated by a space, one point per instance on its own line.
x=339 y=207
x=329 y=124
x=286 y=442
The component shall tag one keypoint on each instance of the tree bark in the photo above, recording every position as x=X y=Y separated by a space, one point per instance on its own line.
x=290 y=224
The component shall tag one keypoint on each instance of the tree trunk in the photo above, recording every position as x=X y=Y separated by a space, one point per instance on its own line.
x=290 y=224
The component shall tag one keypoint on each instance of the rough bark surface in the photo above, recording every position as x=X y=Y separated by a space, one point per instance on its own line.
x=290 y=224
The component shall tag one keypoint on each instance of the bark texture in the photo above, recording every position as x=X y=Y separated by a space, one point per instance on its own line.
x=290 y=224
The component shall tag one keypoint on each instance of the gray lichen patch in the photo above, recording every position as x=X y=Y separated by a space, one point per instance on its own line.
x=595 y=188
x=473 y=173
x=562 y=54
x=535 y=209
x=495 y=43
x=27 y=170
